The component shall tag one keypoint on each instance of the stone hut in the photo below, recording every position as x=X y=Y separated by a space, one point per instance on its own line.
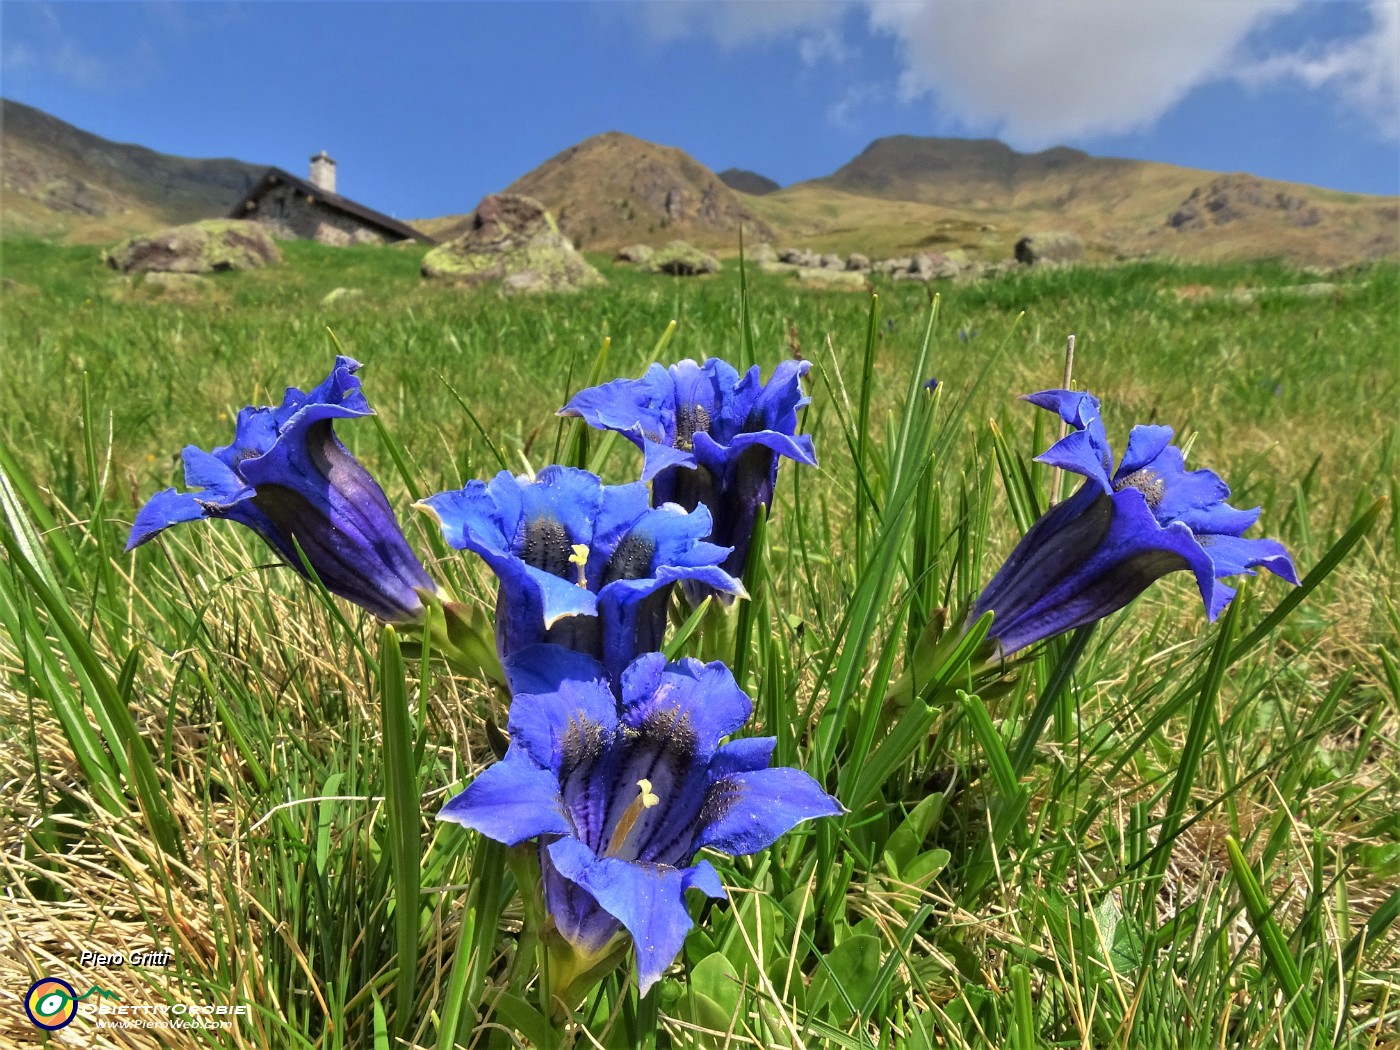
x=310 y=209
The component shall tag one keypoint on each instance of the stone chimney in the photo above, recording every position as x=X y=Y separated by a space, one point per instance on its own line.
x=323 y=172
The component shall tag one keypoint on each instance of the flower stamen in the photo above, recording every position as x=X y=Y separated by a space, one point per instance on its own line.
x=1145 y=481
x=622 y=832
x=580 y=558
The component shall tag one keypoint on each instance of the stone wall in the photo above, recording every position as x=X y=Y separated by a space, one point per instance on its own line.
x=287 y=214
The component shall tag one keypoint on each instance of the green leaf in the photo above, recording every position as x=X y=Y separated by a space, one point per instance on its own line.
x=405 y=820
x=846 y=976
x=907 y=839
x=1271 y=938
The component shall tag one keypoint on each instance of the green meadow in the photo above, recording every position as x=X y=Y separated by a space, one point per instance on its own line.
x=1154 y=832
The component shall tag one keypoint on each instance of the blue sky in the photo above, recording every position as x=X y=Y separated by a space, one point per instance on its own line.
x=429 y=106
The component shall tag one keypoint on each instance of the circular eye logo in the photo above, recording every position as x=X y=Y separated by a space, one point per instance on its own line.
x=51 y=1004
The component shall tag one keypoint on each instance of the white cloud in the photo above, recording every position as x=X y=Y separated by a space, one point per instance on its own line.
x=822 y=45
x=1043 y=71
x=1364 y=70
x=1039 y=72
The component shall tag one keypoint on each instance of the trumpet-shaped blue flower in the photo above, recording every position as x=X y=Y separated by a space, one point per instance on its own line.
x=1124 y=529
x=710 y=437
x=581 y=564
x=622 y=796
x=289 y=479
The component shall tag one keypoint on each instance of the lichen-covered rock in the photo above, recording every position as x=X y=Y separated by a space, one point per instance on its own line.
x=634 y=253
x=198 y=247
x=511 y=236
x=831 y=261
x=930 y=266
x=680 y=259
x=760 y=254
x=858 y=262
x=892 y=266
x=799 y=257
x=1051 y=246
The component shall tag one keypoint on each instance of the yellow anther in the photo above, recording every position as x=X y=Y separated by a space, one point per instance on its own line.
x=580 y=558
x=622 y=831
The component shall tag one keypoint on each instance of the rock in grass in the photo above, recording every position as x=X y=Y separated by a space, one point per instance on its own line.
x=198 y=247
x=760 y=254
x=512 y=238
x=1051 y=246
x=634 y=253
x=680 y=259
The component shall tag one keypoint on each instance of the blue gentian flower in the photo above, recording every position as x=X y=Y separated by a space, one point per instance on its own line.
x=622 y=796
x=582 y=564
x=289 y=479
x=710 y=436
x=1124 y=529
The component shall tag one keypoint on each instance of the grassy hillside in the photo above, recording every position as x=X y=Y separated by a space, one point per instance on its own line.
x=1048 y=865
x=613 y=189
x=906 y=194
x=62 y=182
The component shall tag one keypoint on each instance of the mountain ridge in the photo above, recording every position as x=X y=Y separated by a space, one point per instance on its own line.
x=56 y=177
x=900 y=194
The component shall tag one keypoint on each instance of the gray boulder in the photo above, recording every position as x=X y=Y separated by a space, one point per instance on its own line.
x=858 y=262
x=1049 y=246
x=760 y=254
x=634 y=253
x=512 y=237
x=798 y=257
x=832 y=261
x=680 y=259
x=199 y=247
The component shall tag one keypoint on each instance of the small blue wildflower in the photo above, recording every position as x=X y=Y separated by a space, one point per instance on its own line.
x=289 y=479
x=582 y=564
x=1120 y=532
x=710 y=437
x=622 y=797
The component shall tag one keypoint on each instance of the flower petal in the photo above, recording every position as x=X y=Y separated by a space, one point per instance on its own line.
x=543 y=668
x=546 y=725
x=511 y=801
x=1233 y=554
x=639 y=409
x=743 y=756
x=1081 y=454
x=647 y=899
x=747 y=812
x=163 y=510
x=1145 y=443
x=706 y=696
x=1085 y=452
